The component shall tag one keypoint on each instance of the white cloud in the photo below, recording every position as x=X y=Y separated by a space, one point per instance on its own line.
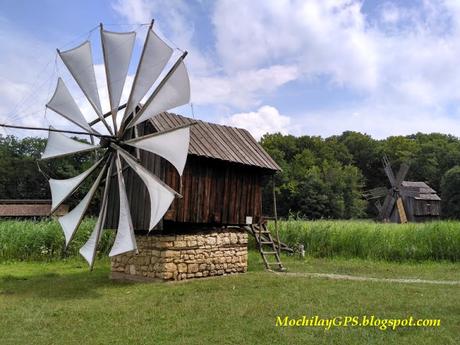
x=266 y=119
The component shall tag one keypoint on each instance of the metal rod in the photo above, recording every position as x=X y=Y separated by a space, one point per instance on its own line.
x=54 y=130
x=153 y=95
x=92 y=123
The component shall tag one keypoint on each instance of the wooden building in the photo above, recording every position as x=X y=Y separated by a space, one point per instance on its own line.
x=221 y=184
x=421 y=203
x=28 y=208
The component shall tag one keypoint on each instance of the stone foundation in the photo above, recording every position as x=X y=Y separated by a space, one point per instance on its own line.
x=184 y=256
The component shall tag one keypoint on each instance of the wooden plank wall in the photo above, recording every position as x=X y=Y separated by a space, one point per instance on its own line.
x=214 y=192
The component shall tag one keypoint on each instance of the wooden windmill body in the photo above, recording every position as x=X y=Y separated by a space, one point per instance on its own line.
x=404 y=201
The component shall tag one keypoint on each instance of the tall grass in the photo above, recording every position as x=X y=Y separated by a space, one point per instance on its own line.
x=370 y=240
x=43 y=240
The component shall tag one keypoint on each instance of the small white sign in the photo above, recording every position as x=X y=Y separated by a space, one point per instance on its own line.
x=248 y=220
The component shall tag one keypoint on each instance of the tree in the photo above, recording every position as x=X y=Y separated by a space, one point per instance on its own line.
x=450 y=191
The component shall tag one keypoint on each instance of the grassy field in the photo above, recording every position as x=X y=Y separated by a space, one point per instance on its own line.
x=61 y=302
x=371 y=240
x=28 y=240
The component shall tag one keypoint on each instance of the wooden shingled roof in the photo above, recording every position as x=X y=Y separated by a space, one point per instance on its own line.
x=218 y=141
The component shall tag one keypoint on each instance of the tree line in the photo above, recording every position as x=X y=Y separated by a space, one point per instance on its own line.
x=320 y=177
x=325 y=177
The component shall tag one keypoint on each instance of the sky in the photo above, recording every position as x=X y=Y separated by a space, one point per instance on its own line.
x=314 y=67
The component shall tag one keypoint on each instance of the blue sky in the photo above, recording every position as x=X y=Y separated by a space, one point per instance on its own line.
x=315 y=67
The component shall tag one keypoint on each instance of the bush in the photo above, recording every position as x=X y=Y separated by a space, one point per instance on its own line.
x=450 y=191
x=44 y=240
x=370 y=240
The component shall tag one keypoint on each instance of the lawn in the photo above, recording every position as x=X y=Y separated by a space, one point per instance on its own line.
x=61 y=302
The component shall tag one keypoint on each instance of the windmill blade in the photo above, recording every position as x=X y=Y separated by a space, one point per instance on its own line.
x=79 y=62
x=172 y=145
x=88 y=251
x=384 y=206
x=403 y=170
x=117 y=48
x=161 y=196
x=62 y=189
x=64 y=104
x=155 y=55
x=173 y=91
x=401 y=210
x=389 y=171
x=375 y=193
x=71 y=221
x=59 y=145
x=125 y=240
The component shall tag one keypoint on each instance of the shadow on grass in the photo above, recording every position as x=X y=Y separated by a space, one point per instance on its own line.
x=73 y=284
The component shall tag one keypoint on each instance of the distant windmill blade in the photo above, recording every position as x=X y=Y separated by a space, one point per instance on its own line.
x=172 y=145
x=401 y=210
x=389 y=171
x=403 y=170
x=375 y=193
x=384 y=213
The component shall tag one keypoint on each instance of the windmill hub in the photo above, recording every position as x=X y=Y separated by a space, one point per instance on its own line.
x=106 y=141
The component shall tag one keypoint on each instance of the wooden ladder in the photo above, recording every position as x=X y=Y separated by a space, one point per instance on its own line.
x=267 y=247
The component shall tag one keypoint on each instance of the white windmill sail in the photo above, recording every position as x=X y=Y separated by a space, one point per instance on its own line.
x=59 y=145
x=125 y=240
x=173 y=146
x=63 y=103
x=61 y=189
x=71 y=221
x=161 y=196
x=155 y=55
x=117 y=49
x=79 y=62
x=88 y=251
x=175 y=92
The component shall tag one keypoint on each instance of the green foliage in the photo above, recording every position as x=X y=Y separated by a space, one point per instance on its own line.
x=324 y=178
x=44 y=240
x=370 y=240
x=450 y=189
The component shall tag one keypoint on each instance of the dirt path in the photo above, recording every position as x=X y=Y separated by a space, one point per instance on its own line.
x=371 y=279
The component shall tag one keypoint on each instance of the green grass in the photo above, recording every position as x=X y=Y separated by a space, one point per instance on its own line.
x=61 y=302
x=439 y=241
x=43 y=240
x=371 y=240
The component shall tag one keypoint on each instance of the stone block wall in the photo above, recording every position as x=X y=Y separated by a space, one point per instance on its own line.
x=184 y=256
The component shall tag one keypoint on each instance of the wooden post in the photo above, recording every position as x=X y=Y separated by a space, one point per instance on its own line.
x=275 y=213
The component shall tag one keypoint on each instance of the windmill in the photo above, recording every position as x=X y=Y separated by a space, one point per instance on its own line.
x=392 y=195
x=113 y=149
